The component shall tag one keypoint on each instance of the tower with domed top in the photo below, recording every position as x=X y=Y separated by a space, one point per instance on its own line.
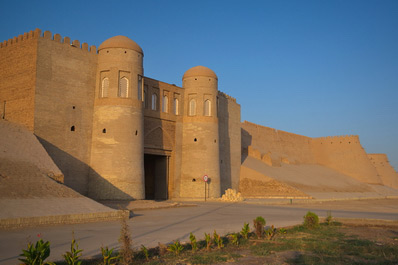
x=200 y=142
x=117 y=159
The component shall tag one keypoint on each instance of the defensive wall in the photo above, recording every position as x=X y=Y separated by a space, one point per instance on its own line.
x=47 y=87
x=230 y=134
x=276 y=146
x=18 y=79
x=344 y=154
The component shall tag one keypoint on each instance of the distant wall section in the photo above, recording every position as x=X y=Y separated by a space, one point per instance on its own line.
x=275 y=145
x=230 y=141
x=18 y=58
x=386 y=172
x=346 y=155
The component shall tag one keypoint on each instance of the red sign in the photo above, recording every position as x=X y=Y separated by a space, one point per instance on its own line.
x=205 y=178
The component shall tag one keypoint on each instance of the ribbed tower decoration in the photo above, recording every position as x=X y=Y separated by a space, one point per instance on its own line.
x=200 y=143
x=117 y=150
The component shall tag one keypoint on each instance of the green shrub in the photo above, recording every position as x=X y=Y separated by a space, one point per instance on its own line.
x=259 y=224
x=218 y=240
x=235 y=239
x=245 y=231
x=145 y=252
x=176 y=248
x=194 y=244
x=107 y=256
x=270 y=232
x=329 y=218
x=311 y=220
x=72 y=257
x=36 y=254
x=208 y=241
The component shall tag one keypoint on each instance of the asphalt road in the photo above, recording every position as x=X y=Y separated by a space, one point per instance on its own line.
x=149 y=227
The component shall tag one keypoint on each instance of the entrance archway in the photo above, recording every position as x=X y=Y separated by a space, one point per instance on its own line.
x=156 y=177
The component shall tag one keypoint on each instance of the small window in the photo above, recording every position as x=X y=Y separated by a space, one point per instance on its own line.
x=176 y=106
x=207 y=107
x=165 y=104
x=123 y=87
x=154 y=101
x=72 y=129
x=104 y=87
x=192 y=107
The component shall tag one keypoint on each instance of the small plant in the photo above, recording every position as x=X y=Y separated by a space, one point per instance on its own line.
x=145 y=251
x=235 y=239
x=311 y=220
x=72 y=257
x=36 y=254
x=329 y=218
x=126 y=252
x=176 y=248
x=245 y=231
x=107 y=256
x=194 y=244
x=282 y=231
x=218 y=240
x=208 y=241
x=259 y=224
x=270 y=232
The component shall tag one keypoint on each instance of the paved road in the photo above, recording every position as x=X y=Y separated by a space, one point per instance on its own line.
x=149 y=227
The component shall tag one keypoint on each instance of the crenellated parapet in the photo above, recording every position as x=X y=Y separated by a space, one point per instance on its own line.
x=342 y=139
x=23 y=37
x=37 y=33
x=222 y=94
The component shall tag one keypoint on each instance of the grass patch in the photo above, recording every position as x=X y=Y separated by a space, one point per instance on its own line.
x=325 y=244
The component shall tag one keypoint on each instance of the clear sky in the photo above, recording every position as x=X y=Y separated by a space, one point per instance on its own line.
x=315 y=68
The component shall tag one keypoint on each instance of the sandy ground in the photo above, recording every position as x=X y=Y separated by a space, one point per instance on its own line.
x=318 y=181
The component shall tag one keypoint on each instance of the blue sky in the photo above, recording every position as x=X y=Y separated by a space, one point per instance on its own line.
x=316 y=68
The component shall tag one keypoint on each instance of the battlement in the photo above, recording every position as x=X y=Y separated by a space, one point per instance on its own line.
x=37 y=33
x=351 y=139
x=222 y=94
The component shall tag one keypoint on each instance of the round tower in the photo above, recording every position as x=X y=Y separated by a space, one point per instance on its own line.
x=200 y=143
x=117 y=150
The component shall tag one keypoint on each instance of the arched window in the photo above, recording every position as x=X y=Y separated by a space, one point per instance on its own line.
x=207 y=107
x=123 y=87
x=104 y=87
x=176 y=106
x=192 y=107
x=165 y=105
x=154 y=101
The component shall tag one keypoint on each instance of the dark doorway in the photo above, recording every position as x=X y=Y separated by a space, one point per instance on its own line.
x=156 y=177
